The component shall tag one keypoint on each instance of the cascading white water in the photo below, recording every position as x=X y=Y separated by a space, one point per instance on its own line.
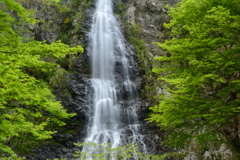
x=107 y=47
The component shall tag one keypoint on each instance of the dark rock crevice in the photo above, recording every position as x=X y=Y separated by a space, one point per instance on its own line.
x=72 y=92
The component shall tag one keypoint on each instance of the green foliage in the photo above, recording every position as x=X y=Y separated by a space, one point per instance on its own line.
x=133 y=33
x=105 y=151
x=84 y=3
x=201 y=74
x=135 y=36
x=12 y=158
x=121 y=9
x=66 y=30
x=73 y=23
x=57 y=3
x=27 y=106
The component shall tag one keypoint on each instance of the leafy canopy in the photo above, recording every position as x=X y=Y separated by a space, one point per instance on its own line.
x=201 y=75
x=106 y=151
x=27 y=106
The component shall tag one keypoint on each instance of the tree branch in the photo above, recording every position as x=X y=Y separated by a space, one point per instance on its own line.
x=5 y=52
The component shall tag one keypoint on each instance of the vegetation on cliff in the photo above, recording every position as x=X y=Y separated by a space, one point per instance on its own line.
x=201 y=74
x=27 y=106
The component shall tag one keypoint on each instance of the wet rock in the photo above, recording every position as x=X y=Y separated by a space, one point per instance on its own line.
x=224 y=153
x=76 y=99
x=131 y=15
x=50 y=21
x=191 y=157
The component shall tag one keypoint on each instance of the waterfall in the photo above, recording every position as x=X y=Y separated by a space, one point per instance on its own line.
x=113 y=114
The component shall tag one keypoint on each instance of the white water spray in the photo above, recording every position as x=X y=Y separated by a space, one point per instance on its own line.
x=107 y=47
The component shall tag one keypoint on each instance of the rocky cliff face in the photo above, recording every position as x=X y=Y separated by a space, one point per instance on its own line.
x=50 y=21
x=142 y=22
x=63 y=22
x=140 y=19
x=145 y=17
